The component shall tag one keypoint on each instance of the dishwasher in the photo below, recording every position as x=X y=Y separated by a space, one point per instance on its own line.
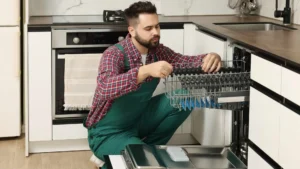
x=188 y=87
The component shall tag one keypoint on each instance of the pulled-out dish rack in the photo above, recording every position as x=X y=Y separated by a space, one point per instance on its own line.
x=189 y=87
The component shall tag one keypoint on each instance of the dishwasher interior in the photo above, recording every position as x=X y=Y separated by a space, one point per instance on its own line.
x=221 y=100
x=189 y=88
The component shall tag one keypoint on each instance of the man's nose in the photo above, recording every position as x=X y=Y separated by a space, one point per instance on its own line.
x=155 y=31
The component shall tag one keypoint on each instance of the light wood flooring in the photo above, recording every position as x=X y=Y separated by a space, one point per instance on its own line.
x=12 y=156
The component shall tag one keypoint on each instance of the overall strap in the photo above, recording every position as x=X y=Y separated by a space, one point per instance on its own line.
x=155 y=58
x=126 y=61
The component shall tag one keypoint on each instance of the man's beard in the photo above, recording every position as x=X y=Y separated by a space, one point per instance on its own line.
x=148 y=44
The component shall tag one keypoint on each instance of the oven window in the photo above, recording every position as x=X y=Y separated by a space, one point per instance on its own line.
x=75 y=81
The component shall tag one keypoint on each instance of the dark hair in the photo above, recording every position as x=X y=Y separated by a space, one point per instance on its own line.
x=137 y=8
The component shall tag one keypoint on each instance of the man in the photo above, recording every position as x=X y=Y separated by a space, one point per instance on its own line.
x=124 y=111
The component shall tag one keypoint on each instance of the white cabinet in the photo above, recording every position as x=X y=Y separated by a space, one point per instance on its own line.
x=206 y=43
x=69 y=131
x=198 y=42
x=255 y=161
x=209 y=126
x=167 y=39
x=10 y=94
x=289 y=146
x=266 y=73
x=39 y=84
x=172 y=38
x=10 y=12
x=291 y=85
x=264 y=123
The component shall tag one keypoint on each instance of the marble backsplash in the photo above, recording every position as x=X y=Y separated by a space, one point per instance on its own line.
x=166 y=7
x=96 y=7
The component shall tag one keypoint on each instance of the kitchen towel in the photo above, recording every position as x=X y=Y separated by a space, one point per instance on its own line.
x=80 y=80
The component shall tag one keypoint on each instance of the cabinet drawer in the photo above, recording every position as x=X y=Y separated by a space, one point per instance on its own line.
x=69 y=131
x=264 y=123
x=266 y=73
x=256 y=162
x=289 y=147
x=291 y=85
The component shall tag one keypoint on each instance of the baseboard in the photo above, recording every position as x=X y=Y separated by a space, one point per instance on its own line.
x=58 y=146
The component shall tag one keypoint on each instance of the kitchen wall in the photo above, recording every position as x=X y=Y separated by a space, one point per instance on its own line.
x=94 y=7
x=268 y=8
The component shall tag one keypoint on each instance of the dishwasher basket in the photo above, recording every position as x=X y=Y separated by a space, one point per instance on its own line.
x=189 y=87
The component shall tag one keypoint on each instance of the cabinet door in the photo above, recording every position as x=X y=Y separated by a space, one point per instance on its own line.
x=264 y=123
x=10 y=111
x=255 y=161
x=289 y=146
x=210 y=126
x=39 y=84
x=172 y=38
x=10 y=12
x=291 y=85
x=206 y=43
x=167 y=39
x=266 y=73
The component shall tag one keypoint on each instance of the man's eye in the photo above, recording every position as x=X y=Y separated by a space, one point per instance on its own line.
x=148 y=29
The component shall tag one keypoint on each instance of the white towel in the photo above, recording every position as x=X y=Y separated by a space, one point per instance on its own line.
x=80 y=80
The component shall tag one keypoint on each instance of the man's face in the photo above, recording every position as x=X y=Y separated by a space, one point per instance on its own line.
x=147 y=30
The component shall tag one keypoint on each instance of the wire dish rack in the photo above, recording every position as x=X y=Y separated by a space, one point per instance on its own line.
x=189 y=87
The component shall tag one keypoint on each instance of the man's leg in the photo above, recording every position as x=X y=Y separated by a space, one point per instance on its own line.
x=112 y=145
x=160 y=121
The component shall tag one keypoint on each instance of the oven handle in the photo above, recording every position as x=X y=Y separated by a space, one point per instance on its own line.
x=79 y=50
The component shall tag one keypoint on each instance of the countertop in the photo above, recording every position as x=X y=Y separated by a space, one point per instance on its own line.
x=279 y=45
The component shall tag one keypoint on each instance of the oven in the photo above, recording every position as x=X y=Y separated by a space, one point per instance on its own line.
x=76 y=53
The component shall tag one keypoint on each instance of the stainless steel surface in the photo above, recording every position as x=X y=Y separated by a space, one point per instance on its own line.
x=212 y=127
x=254 y=26
x=141 y=156
x=200 y=157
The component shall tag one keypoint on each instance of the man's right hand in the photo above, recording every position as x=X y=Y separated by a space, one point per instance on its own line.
x=160 y=69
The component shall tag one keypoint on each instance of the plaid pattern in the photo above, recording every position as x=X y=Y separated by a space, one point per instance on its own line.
x=113 y=82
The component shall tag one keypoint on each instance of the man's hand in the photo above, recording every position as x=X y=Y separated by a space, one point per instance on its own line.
x=211 y=63
x=160 y=69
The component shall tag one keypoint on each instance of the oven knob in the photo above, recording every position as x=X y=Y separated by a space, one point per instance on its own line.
x=120 y=38
x=76 y=40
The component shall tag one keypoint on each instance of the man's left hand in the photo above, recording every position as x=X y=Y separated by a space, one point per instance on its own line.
x=211 y=63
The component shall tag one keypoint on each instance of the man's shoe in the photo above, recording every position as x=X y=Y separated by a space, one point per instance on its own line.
x=99 y=163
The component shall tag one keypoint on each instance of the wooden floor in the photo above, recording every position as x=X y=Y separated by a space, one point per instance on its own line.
x=12 y=156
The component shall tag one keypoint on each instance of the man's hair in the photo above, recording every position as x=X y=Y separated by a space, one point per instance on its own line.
x=142 y=7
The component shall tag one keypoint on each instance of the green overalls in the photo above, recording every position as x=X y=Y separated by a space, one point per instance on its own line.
x=135 y=118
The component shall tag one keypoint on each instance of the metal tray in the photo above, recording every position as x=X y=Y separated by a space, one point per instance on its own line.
x=203 y=157
x=200 y=157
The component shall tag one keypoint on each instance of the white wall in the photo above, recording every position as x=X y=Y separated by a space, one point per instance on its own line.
x=268 y=8
x=96 y=7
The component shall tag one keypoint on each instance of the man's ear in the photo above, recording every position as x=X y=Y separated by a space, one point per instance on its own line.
x=131 y=31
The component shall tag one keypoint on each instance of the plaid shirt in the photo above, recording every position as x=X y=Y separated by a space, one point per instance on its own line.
x=112 y=82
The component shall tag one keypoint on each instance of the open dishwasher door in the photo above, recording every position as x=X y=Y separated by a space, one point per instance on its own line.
x=176 y=157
